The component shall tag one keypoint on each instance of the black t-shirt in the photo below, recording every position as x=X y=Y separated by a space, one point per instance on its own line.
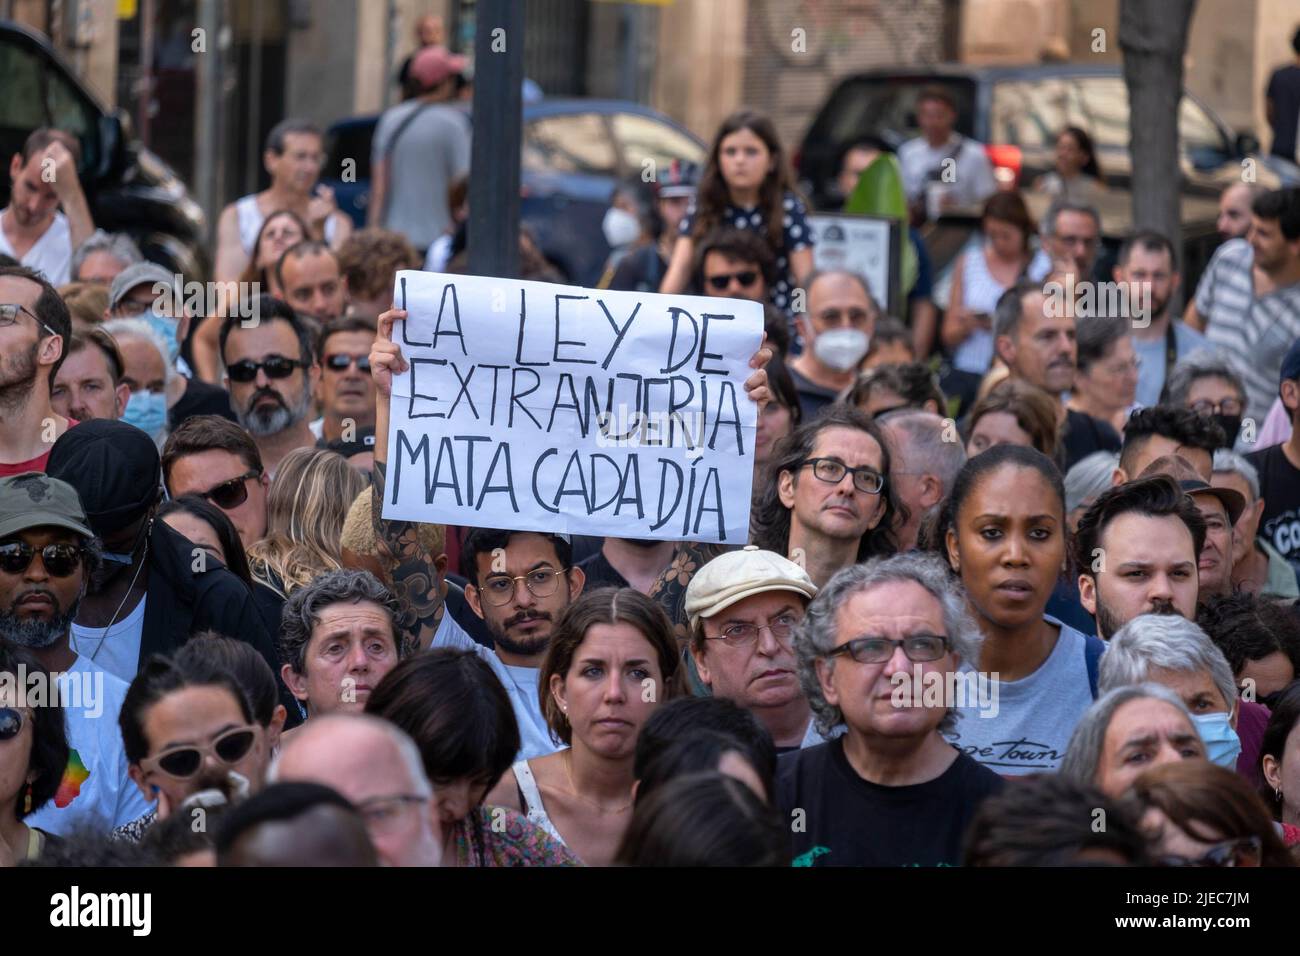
x=1284 y=91
x=848 y=821
x=1084 y=435
x=200 y=398
x=600 y=573
x=1279 y=486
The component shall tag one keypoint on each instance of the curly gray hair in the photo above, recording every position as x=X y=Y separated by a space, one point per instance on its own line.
x=1200 y=364
x=117 y=244
x=816 y=636
x=303 y=610
x=1168 y=642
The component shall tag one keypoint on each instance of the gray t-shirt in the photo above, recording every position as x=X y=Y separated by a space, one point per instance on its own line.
x=1030 y=727
x=432 y=151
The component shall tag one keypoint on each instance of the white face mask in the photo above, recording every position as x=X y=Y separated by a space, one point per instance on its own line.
x=620 y=227
x=841 y=349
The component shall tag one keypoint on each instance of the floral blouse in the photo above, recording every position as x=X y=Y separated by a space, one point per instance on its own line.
x=495 y=836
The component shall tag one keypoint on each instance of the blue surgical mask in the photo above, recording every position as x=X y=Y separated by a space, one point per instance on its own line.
x=167 y=328
x=1222 y=745
x=147 y=411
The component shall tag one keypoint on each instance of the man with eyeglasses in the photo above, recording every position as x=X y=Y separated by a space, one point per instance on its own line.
x=148 y=292
x=836 y=329
x=217 y=460
x=271 y=372
x=345 y=391
x=875 y=644
x=34 y=328
x=1071 y=239
x=744 y=608
x=827 y=504
x=293 y=157
x=378 y=768
x=734 y=264
x=46 y=553
x=44 y=177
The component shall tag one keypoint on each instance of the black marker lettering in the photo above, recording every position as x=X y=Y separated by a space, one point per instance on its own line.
x=555 y=354
x=515 y=395
x=677 y=313
x=523 y=318
x=464 y=391
x=619 y=333
x=503 y=451
x=455 y=309
x=704 y=338
x=414 y=452
x=416 y=393
x=537 y=466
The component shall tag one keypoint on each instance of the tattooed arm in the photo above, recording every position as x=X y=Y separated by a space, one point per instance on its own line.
x=416 y=574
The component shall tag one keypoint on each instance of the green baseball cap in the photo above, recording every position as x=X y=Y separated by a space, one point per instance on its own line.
x=34 y=500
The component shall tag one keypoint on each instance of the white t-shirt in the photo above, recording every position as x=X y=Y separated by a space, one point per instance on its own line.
x=972 y=179
x=96 y=791
x=52 y=253
x=520 y=684
x=115 y=649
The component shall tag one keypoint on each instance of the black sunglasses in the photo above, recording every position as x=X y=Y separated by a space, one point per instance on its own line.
x=230 y=493
x=746 y=278
x=275 y=366
x=60 y=560
x=11 y=722
x=341 y=362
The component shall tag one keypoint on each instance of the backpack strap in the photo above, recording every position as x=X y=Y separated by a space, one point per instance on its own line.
x=1093 y=648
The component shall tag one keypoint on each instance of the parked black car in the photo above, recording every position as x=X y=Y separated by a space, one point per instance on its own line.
x=129 y=188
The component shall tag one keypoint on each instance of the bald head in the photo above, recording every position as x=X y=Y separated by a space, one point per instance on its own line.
x=378 y=768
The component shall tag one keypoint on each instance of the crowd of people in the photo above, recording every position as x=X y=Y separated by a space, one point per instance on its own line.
x=1015 y=557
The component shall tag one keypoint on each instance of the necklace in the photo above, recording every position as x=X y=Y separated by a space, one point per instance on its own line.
x=573 y=789
x=120 y=604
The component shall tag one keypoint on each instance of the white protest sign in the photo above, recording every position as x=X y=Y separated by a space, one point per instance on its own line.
x=538 y=407
x=857 y=243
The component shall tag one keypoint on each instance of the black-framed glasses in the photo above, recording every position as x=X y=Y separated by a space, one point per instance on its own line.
x=876 y=650
x=746 y=278
x=341 y=362
x=184 y=762
x=60 y=560
x=741 y=633
x=9 y=315
x=230 y=493
x=11 y=722
x=275 y=366
x=865 y=479
x=1229 y=406
x=1244 y=851
x=500 y=590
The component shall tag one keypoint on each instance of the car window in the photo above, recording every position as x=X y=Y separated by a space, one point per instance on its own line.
x=70 y=111
x=574 y=143
x=1103 y=110
x=642 y=137
x=21 y=109
x=1029 y=113
x=886 y=107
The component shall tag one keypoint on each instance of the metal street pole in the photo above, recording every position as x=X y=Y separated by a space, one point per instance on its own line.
x=207 y=117
x=498 y=121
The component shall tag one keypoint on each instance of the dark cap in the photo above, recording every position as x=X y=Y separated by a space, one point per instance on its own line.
x=362 y=443
x=114 y=467
x=1291 y=362
x=33 y=500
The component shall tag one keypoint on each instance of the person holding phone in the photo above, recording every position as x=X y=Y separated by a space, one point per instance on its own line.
x=980 y=277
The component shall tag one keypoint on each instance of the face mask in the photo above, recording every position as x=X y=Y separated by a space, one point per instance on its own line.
x=841 y=349
x=147 y=411
x=166 y=327
x=620 y=227
x=1231 y=425
x=1222 y=745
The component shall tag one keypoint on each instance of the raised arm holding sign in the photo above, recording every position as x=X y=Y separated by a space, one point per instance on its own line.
x=533 y=406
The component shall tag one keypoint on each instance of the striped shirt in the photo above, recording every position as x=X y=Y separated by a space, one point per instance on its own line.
x=1253 y=332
